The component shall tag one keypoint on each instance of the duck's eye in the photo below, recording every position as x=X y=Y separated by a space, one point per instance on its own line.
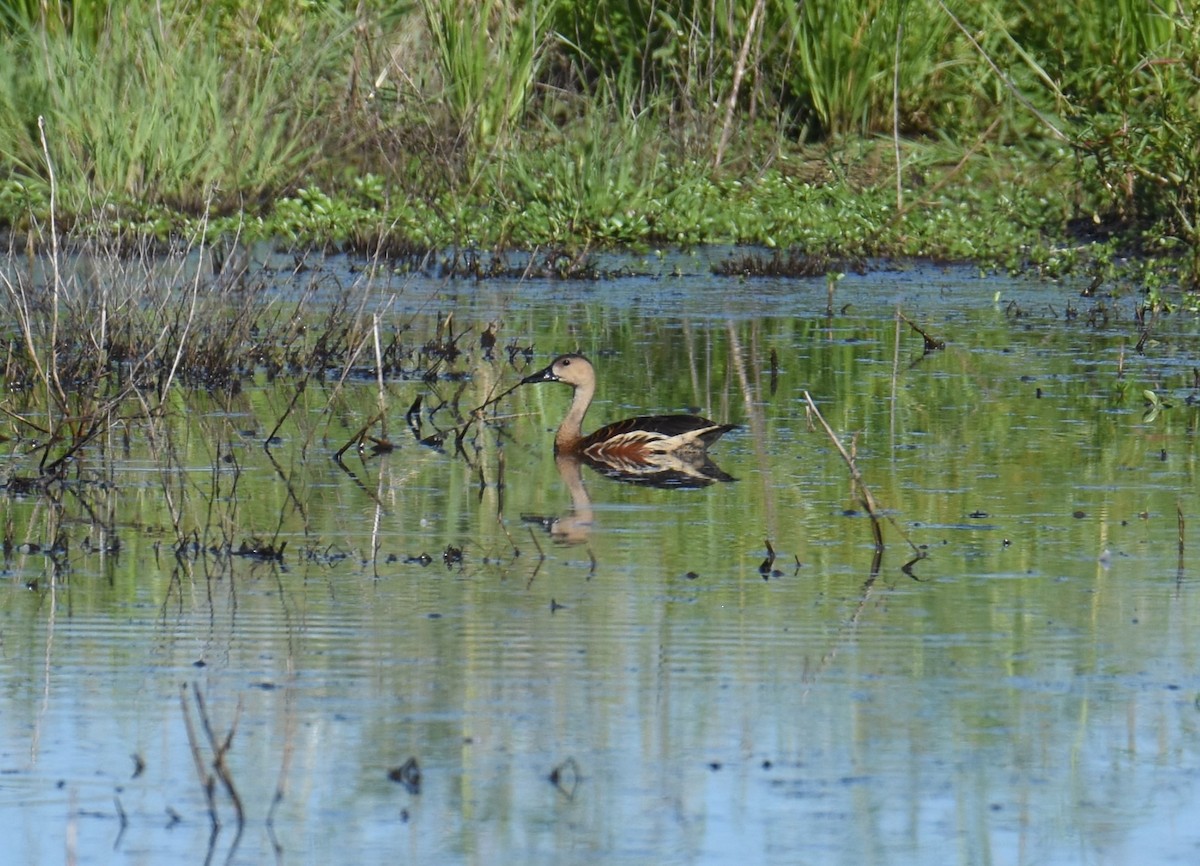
x=566 y=362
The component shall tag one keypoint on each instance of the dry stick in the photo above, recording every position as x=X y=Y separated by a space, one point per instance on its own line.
x=1181 y=526
x=379 y=372
x=295 y=397
x=865 y=496
x=932 y=344
x=25 y=321
x=284 y=768
x=377 y=528
x=895 y=381
x=500 y=464
x=739 y=71
x=541 y=558
x=810 y=674
x=357 y=438
x=292 y=496
x=56 y=289
x=187 y=326
x=460 y=430
x=22 y=420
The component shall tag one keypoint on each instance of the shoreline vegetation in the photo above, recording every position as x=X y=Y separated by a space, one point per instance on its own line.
x=1005 y=133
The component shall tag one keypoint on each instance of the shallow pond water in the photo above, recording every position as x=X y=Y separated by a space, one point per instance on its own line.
x=474 y=654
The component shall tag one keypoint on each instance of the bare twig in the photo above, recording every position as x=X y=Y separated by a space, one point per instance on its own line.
x=295 y=398
x=932 y=344
x=220 y=748
x=864 y=493
x=358 y=437
x=191 y=315
x=56 y=288
x=739 y=71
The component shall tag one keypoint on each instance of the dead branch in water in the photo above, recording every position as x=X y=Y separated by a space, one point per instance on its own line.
x=357 y=438
x=864 y=492
x=932 y=344
x=1181 y=525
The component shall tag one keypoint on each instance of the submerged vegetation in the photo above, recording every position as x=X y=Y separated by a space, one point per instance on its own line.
x=1004 y=132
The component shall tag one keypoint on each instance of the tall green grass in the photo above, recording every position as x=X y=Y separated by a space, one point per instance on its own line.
x=157 y=111
x=489 y=55
x=583 y=115
x=84 y=20
x=854 y=59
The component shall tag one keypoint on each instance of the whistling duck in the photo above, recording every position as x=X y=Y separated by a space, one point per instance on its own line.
x=628 y=439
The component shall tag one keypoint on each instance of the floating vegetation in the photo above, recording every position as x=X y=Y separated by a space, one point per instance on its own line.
x=792 y=263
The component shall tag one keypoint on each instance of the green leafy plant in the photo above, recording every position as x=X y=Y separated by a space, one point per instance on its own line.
x=1155 y=404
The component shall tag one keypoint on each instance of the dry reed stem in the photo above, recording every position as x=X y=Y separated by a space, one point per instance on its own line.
x=207 y=783
x=187 y=327
x=739 y=72
x=220 y=750
x=56 y=287
x=865 y=495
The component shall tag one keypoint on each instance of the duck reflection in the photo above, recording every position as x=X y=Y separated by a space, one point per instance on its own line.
x=678 y=470
x=672 y=469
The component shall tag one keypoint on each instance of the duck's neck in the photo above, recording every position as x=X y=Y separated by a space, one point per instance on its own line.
x=570 y=430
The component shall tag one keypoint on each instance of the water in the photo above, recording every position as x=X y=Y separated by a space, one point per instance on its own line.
x=591 y=671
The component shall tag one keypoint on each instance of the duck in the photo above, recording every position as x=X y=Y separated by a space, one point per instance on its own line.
x=633 y=439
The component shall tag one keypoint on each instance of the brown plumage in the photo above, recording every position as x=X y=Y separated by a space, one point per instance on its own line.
x=630 y=439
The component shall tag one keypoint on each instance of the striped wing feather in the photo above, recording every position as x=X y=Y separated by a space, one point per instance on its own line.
x=653 y=434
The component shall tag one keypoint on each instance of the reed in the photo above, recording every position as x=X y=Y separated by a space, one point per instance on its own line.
x=83 y=20
x=489 y=55
x=847 y=53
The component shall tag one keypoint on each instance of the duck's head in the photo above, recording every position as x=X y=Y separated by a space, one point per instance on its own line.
x=573 y=369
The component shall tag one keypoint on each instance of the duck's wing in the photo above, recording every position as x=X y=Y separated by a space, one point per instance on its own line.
x=655 y=433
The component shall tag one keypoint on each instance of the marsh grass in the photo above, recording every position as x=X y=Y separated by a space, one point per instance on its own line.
x=157 y=111
x=853 y=57
x=578 y=123
x=596 y=181
x=489 y=55
x=83 y=20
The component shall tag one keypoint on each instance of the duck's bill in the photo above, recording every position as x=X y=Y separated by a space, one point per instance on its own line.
x=546 y=375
